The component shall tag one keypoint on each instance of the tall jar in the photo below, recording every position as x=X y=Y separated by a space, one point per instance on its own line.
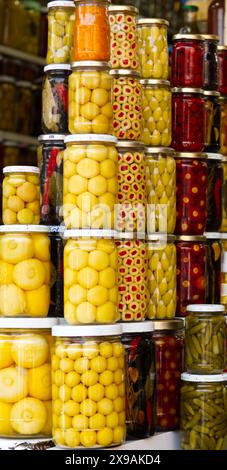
x=210 y=43
x=224 y=270
x=55 y=99
x=188 y=61
x=212 y=121
x=23 y=108
x=224 y=195
x=123 y=39
x=140 y=379
x=57 y=271
x=223 y=101
x=14 y=20
x=153 y=48
x=188 y=109
x=168 y=340
x=31 y=26
x=90 y=105
x=60 y=32
x=214 y=193
x=222 y=70
x=88 y=390
x=216 y=18
x=213 y=259
x=7 y=103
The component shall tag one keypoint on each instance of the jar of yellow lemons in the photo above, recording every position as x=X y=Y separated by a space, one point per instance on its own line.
x=153 y=48
x=21 y=195
x=90 y=277
x=25 y=377
x=88 y=391
x=25 y=271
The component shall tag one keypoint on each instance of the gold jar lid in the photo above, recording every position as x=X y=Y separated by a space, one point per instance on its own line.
x=123 y=9
x=193 y=37
x=157 y=150
x=154 y=82
x=175 y=324
x=91 y=64
x=132 y=144
x=152 y=21
x=190 y=238
x=210 y=37
x=201 y=156
x=198 y=91
x=124 y=72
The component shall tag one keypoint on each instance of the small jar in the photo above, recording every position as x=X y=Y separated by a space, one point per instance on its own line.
x=214 y=193
x=224 y=270
x=222 y=70
x=57 y=285
x=31 y=27
x=140 y=379
x=162 y=287
x=153 y=48
x=224 y=195
x=168 y=341
x=88 y=391
x=212 y=121
x=213 y=269
x=123 y=39
x=51 y=177
x=90 y=277
x=60 y=32
x=127 y=105
x=92 y=31
x=210 y=81
x=161 y=189
x=191 y=272
x=188 y=61
x=205 y=429
x=90 y=105
x=25 y=271
x=223 y=101
x=157 y=113
x=7 y=103
x=23 y=108
x=191 y=195
x=55 y=99
x=132 y=277
x=21 y=195
x=25 y=377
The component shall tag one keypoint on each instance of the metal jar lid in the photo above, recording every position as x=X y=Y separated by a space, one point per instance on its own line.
x=206 y=308
x=158 y=150
x=53 y=67
x=197 y=91
x=160 y=237
x=91 y=64
x=51 y=137
x=130 y=235
x=89 y=233
x=201 y=156
x=153 y=82
x=21 y=169
x=189 y=37
x=132 y=144
x=213 y=235
x=137 y=327
x=152 y=21
x=90 y=138
x=28 y=323
x=60 y=3
x=222 y=48
x=24 y=229
x=175 y=324
x=86 y=330
x=211 y=93
x=203 y=378
x=190 y=238
x=124 y=72
x=214 y=156
x=123 y=9
x=210 y=37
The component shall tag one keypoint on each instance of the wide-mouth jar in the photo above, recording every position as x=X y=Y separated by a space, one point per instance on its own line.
x=60 y=31
x=188 y=60
x=123 y=40
x=153 y=48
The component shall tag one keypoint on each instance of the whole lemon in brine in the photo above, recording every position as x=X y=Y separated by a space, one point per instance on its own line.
x=28 y=416
x=29 y=274
x=30 y=350
x=16 y=247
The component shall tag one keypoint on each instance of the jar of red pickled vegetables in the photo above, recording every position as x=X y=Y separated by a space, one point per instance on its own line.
x=222 y=69
x=123 y=40
x=168 y=340
x=223 y=101
x=212 y=121
x=188 y=119
x=210 y=42
x=188 y=60
x=191 y=272
x=214 y=192
x=191 y=178
x=213 y=268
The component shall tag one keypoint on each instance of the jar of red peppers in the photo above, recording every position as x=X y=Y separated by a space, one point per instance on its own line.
x=123 y=40
x=223 y=101
x=188 y=60
x=214 y=192
x=210 y=62
x=212 y=121
x=188 y=119
x=191 y=177
x=222 y=69
x=140 y=379
x=213 y=268
x=168 y=340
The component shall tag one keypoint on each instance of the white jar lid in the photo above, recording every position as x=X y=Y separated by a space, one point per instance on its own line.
x=28 y=323
x=86 y=330
x=137 y=327
x=49 y=67
x=206 y=308
x=130 y=235
x=51 y=137
x=213 y=235
x=223 y=236
x=60 y=3
x=203 y=378
x=93 y=233
x=24 y=229
x=214 y=156
x=21 y=169
x=223 y=290
x=87 y=138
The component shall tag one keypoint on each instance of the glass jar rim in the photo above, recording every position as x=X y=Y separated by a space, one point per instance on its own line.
x=90 y=138
x=203 y=378
x=21 y=169
x=189 y=90
x=24 y=229
x=86 y=330
x=124 y=73
x=130 y=144
x=51 y=137
x=157 y=150
x=214 y=156
x=202 y=156
x=175 y=324
x=213 y=235
x=60 y=3
x=211 y=93
x=123 y=9
x=160 y=237
x=188 y=37
x=53 y=67
x=190 y=238
x=88 y=233
x=28 y=323
x=130 y=235
x=154 y=82
x=206 y=308
x=91 y=64
x=137 y=327
x=152 y=21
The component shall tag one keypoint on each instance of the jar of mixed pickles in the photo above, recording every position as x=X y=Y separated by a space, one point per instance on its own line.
x=55 y=99
x=224 y=195
x=188 y=61
x=168 y=340
x=140 y=379
x=123 y=40
x=60 y=31
x=210 y=43
x=153 y=48
x=212 y=121
x=213 y=278
x=224 y=270
x=7 y=103
x=23 y=108
x=214 y=192
x=157 y=113
x=88 y=391
x=57 y=271
x=205 y=396
x=222 y=70
x=223 y=101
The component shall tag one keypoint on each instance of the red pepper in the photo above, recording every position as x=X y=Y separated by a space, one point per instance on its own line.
x=63 y=95
x=50 y=169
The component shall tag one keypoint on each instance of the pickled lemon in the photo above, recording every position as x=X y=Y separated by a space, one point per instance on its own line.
x=13 y=384
x=6 y=273
x=38 y=301
x=97 y=422
x=88 y=438
x=98 y=295
x=27 y=192
x=77 y=259
x=15 y=248
x=5 y=426
x=47 y=429
x=41 y=244
x=17 y=304
x=39 y=380
x=28 y=416
x=6 y=359
x=29 y=274
x=105 y=437
x=72 y=438
x=30 y=351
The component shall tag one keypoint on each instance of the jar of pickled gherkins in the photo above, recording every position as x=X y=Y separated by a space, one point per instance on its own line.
x=168 y=341
x=130 y=215
x=21 y=195
x=222 y=69
x=153 y=48
x=191 y=271
x=23 y=108
x=203 y=412
x=224 y=270
x=212 y=121
x=157 y=113
x=7 y=103
x=188 y=61
x=214 y=192
x=123 y=39
x=60 y=31
x=90 y=106
x=161 y=189
x=132 y=277
x=55 y=99
x=140 y=379
x=92 y=30
x=191 y=195
x=88 y=387
x=213 y=278
x=223 y=101
x=90 y=277
x=210 y=43
x=57 y=286
x=24 y=271
x=188 y=109
x=224 y=195
x=90 y=181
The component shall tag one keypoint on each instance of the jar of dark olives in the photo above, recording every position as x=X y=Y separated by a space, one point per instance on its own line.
x=214 y=192
x=212 y=121
x=188 y=61
x=210 y=43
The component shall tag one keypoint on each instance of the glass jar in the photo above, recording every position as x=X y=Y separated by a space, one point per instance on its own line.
x=43 y=31
x=153 y=48
x=25 y=271
x=23 y=108
x=88 y=389
x=132 y=277
x=51 y=178
x=191 y=195
x=214 y=192
x=30 y=155
x=157 y=113
x=168 y=341
x=162 y=287
x=7 y=103
x=14 y=18
x=161 y=189
x=191 y=272
x=223 y=101
x=210 y=43
x=10 y=155
x=31 y=26
x=216 y=18
x=188 y=61
x=123 y=39
x=130 y=215
x=224 y=195
x=55 y=99
x=36 y=116
x=60 y=32
x=224 y=270
x=206 y=429
x=90 y=172
x=222 y=70
x=90 y=105
x=90 y=277
x=213 y=278
x=188 y=108
x=212 y=121
x=140 y=379
x=57 y=285
x=92 y=30
x=10 y=66
x=25 y=377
